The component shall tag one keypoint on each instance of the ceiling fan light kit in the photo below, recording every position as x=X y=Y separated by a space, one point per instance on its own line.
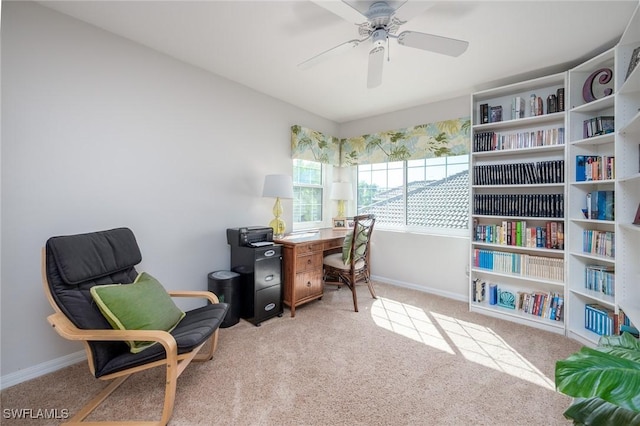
x=381 y=24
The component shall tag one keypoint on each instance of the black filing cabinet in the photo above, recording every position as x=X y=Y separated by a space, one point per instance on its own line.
x=260 y=269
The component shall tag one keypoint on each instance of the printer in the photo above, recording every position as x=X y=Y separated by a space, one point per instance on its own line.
x=250 y=236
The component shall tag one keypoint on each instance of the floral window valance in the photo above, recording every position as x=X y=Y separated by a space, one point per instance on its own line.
x=307 y=144
x=439 y=139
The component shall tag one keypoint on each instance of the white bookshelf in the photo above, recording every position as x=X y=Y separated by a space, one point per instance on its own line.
x=484 y=164
x=627 y=145
x=581 y=110
x=622 y=144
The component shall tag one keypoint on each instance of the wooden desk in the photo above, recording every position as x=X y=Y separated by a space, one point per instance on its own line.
x=303 y=255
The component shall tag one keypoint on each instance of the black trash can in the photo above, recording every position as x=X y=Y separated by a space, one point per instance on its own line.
x=226 y=285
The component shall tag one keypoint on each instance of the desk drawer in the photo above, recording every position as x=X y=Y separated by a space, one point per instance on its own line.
x=309 y=262
x=309 y=247
x=333 y=244
x=308 y=285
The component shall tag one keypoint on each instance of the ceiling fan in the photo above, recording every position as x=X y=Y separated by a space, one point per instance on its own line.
x=383 y=19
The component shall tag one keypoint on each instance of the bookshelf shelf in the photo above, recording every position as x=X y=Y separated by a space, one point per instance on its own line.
x=595 y=296
x=634 y=179
x=596 y=140
x=524 y=278
x=521 y=151
x=593 y=182
x=538 y=185
x=517 y=248
x=522 y=122
x=597 y=105
x=519 y=192
x=592 y=256
x=630 y=227
x=519 y=316
x=632 y=127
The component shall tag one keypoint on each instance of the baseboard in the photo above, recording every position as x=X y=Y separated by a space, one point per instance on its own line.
x=38 y=370
x=412 y=286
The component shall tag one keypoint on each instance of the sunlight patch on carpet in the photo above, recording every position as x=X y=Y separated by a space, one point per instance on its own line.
x=474 y=342
x=408 y=321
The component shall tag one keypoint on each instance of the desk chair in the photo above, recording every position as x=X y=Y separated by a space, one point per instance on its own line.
x=352 y=265
x=74 y=264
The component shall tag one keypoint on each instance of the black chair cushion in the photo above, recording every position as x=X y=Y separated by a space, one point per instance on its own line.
x=196 y=327
x=75 y=263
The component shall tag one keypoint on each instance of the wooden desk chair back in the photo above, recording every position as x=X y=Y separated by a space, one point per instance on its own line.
x=352 y=265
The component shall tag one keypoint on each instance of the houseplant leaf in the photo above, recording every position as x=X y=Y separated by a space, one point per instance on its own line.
x=590 y=372
x=625 y=341
x=598 y=412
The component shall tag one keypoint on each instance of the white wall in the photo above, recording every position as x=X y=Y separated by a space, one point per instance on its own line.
x=435 y=264
x=99 y=132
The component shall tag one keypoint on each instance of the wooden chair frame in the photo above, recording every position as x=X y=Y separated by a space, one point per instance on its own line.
x=350 y=275
x=174 y=363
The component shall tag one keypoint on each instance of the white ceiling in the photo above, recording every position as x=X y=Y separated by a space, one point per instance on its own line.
x=260 y=43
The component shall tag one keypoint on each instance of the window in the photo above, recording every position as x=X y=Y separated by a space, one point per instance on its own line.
x=430 y=193
x=308 y=193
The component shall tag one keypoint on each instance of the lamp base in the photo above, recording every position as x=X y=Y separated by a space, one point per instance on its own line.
x=278 y=226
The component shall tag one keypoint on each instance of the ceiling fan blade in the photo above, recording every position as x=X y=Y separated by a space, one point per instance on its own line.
x=342 y=9
x=334 y=51
x=410 y=9
x=433 y=43
x=376 y=60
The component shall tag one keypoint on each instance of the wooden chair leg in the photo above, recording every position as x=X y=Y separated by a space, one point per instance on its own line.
x=97 y=400
x=371 y=290
x=355 y=297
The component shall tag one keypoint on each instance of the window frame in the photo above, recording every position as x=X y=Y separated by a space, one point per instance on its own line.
x=327 y=178
x=415 y=229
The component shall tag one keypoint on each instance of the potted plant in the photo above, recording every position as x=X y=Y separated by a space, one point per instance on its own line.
x=605 y=382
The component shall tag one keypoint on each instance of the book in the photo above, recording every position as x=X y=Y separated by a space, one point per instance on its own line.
x=517 y=108
x=493 y=294
x=580 y=168
x=552 y=104
x=495 y=114
x=560 y=98
x=484 y=113
x=633 y=62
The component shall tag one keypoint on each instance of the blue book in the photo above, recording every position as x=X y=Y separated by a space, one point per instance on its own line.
x=580 y=171
x=493 y=294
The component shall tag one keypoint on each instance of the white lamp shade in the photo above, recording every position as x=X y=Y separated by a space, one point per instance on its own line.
x=278 y=186
x=341 y=191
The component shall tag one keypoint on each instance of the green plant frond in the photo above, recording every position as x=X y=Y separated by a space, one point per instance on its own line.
x=443 y=150
x=441 y=137
x=629 y=354
x=399 y=153
x=396 y=136
x=598 y=412
x=449 y=126
x=625 y=340
x=591 y=372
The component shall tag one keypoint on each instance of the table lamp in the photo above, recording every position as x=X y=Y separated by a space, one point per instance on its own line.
x=278 y=186
x=341 y=191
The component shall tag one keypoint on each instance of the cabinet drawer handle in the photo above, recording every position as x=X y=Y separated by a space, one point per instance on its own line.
x=308 y=283
x=269 y=253
x=308 y=261
x=268 y=278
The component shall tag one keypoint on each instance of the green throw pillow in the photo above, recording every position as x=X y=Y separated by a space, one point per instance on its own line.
x=360 y=246
x=143 y=305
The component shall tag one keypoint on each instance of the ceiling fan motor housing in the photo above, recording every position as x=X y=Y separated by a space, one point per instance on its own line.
x=379 y=14
x=379 y=37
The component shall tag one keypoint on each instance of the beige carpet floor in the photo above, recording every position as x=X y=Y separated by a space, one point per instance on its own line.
x=407 y=358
